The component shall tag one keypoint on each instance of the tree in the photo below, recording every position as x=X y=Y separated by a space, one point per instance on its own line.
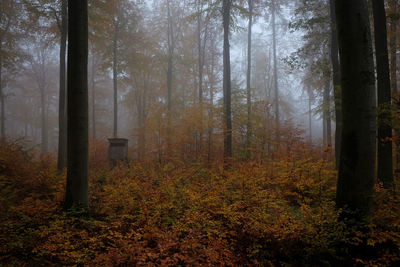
x=62 y=116
x=55 y=15
x=357 y=160
x=276 y=88
x=326 y=111
x=226 y=15
x=248 y=79
x=393 y=19
x=334 y=53
x=10 y=52
x=77 y=107
x=171 y=48
x=201 y=47
x=39 y=63
x=385 y=160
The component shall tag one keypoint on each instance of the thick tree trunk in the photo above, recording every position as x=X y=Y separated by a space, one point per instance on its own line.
x=276 y=88
x=226 y=9
x=77 y=174
x=2 y=115
x=358 y=146
x=336 y=82
x=385 y=160
x=248 y=82
x=62 y=110
x=393 y=5
x=393 y=45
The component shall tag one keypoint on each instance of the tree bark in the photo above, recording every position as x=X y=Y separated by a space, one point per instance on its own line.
x=2 y=119
x=248 y=82
x=62 y=116
x=226 y=8
x=358 y=147
x=385 y=160
x=393 y=45
x=77 y=174
x=393 y=4
x=336 y=82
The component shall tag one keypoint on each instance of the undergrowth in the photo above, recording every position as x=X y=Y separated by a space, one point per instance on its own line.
x=279 y=213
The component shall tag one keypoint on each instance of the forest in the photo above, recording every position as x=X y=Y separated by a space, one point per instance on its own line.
x=199 y=133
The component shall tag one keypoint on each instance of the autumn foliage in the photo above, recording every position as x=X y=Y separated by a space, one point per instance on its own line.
x=274 y=213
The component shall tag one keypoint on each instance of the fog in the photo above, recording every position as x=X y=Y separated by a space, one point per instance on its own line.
x=31 y=83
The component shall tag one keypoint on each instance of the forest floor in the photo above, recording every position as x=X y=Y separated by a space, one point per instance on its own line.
x=276 y=213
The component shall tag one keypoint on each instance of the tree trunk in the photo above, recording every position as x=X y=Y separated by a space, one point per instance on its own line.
x=2 y=119
x=276 y=89
x=93 y=85
x=227 y=84
x=77 y=174
x=336 y=82
x=201 y=52
x=169 y=76
x=44 y=139
x=310 y=115
x=324 y=135
x=248 y=80
x=62 y=116
x=393 y=45
x=115 y=79
x=358 y=148
x=327 y=112
x=385 y=160
x=211 y=106
x=393 y=66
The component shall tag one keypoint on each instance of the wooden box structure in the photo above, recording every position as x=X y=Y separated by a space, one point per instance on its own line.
x=117 y=150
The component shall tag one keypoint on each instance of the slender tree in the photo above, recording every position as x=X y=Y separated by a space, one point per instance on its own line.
x=93 y=90
x=226 y=10
x=62 y=111
x=385 y=160
x=327 y=112
x=248 y=80
x=358 y=147
x=276 y=86
x=77 y=106
x=171 y=48
x=336 y=81
x=39 y=64
x=116 y=28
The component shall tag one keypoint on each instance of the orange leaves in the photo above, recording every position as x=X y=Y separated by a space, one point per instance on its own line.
x=152 y=214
